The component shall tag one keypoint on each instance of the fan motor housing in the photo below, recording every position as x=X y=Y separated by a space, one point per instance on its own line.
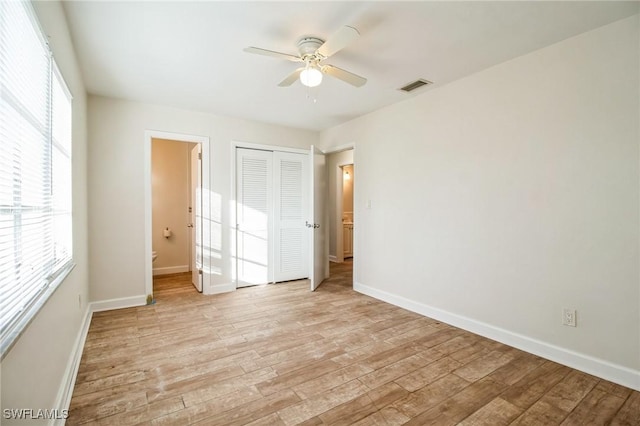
x=308 y=45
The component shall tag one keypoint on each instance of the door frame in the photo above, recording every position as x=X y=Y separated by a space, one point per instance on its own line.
x=234 y=196
x=338 y=213
x=339 y=208
x=193 y=217
x=204 y=142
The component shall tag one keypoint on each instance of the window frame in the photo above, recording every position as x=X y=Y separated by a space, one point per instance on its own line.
x=16 y=325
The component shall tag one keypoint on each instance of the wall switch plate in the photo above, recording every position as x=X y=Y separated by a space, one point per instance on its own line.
x=569 y=317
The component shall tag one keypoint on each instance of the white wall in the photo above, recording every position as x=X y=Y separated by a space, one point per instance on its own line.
x=35 y=369
x=171 y=198
x=503 y=197
x=116 y=182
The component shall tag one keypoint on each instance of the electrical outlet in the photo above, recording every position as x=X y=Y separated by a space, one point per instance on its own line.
x=569 y=317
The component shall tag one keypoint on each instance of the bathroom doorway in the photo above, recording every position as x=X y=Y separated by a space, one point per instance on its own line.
x=176 y=209
x=342 y=226
x=348 y=178
x=175 y=235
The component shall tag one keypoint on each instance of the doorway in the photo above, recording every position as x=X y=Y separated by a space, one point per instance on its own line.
x=176 y=209
x=199 y=217
x=342 y=227
x=348 y=180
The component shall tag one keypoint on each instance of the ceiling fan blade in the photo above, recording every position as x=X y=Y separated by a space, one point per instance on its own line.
x=265 y=52
x=346 y=76
x=338 y=41
x=291 y=78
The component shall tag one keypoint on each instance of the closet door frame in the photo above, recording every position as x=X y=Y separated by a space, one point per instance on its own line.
x=234 y=198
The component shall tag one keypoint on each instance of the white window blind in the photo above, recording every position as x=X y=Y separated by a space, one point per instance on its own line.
x=35 y=171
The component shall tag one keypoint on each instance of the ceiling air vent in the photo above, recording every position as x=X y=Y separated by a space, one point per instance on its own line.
x=415 y=85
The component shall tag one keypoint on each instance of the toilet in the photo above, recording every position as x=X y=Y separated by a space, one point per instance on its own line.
x=154 y=256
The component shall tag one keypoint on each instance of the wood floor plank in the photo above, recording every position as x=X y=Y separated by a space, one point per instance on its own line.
x=393 y=371
x=330 y=380
x=556 y=404
x=207 y=390
x=363 y=353
x=535 y=384
x=484 y=365
x=202 y=411
x=349 y=412
x=142 y=414
x=541 y=413
x=461 y=405
x=375 y=419
x=386 y=394
x=256 y=409
x=281 y=355
x=629 y=414
x=597 y=408
x=521 y=365
x=318 y=404
x=270 y=420
x=295 y=377
x=498 y=412
x=614 y=389
x=363 y=406
x=429 y=396
x=98 y=408
x=428 y=374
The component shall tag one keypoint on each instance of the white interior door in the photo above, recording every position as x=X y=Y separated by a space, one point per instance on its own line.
x=254 y=196
x=196 y=217
x=318 y=258
x=291 y=202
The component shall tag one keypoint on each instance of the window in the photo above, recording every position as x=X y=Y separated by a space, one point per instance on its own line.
x=35 y=171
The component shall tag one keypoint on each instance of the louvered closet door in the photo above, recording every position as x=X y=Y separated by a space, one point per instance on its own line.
x=291 y=187
x=254 y=193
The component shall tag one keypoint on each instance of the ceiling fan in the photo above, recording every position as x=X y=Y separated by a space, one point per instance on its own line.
x=312 y=52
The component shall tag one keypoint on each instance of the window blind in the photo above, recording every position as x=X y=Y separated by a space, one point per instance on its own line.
x=35 y=171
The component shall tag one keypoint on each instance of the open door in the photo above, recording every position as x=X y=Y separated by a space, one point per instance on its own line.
x=195 y=212
x=318 y=258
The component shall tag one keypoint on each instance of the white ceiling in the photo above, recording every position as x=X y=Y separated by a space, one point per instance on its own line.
x=189 y=54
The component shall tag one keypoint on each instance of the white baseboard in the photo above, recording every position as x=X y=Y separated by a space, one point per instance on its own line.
x=63 y=399
x=170 y=270
x=588 y=364
x=332 y=258
x=125 y=302
x=220 y=288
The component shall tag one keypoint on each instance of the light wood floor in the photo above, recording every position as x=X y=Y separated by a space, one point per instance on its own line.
x=280 y=354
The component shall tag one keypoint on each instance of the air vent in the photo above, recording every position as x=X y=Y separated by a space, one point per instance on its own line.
x=415 y=85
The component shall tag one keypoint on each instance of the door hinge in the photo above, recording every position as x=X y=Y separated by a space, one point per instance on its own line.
x=199 y=271
x=199 y=156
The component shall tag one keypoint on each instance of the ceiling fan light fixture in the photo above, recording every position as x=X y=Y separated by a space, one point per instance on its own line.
x=311 y=76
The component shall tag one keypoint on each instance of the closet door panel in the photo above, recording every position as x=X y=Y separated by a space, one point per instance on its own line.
x=254 y=194
x=291 y=258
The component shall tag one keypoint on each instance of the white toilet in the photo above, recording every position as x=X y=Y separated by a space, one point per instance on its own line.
x=154 y=256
